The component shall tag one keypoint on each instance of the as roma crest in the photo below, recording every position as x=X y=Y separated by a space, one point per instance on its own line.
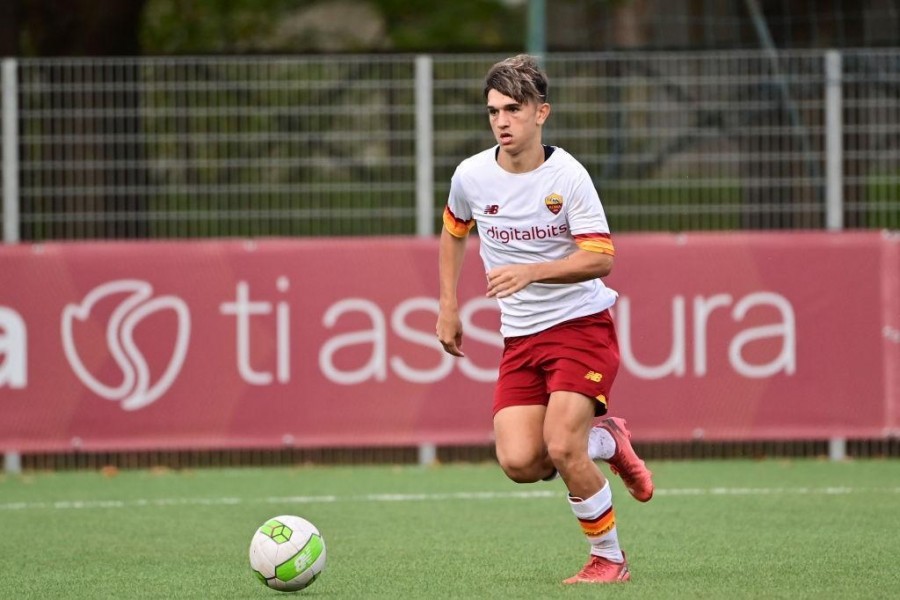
x=554 y=203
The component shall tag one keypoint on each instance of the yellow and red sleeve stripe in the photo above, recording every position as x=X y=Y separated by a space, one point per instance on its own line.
x=600 y=525
x=595 y=242
x=456 y=226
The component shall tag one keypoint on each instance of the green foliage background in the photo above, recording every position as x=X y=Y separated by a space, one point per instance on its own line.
x=228 y=26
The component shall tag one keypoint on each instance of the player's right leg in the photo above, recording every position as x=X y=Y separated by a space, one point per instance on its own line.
x=519 y=438
x=520 y=404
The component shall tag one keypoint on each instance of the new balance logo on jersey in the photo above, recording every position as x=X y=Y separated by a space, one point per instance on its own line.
x=491 y=209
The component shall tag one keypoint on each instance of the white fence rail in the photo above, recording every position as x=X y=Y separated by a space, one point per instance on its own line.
x=365 y=145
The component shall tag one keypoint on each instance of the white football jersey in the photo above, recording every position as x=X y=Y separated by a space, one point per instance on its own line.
x=542 y=215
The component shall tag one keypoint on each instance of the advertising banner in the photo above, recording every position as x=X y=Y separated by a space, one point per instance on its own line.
x=330 y=342
x=755 y=336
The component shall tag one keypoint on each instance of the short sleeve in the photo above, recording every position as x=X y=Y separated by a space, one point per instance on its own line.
x=457 y=216
x=587 y=219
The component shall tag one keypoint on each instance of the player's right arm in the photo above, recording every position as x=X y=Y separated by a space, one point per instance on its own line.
x=449 y=326
x=458 y=222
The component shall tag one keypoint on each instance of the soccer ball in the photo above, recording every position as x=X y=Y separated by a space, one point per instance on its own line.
x=287 y=553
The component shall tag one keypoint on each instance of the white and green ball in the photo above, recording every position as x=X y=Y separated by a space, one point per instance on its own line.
x=287 y=553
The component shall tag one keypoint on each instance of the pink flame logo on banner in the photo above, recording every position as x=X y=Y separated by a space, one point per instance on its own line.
x=136 y=389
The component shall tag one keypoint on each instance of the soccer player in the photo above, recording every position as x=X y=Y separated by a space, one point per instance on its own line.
x=545 y=245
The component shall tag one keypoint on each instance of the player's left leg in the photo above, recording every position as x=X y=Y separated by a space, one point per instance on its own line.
x=566 y=427
x=610 y=441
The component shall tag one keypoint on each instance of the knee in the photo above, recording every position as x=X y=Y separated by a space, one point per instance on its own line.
x=521 y=469
x=563 y=452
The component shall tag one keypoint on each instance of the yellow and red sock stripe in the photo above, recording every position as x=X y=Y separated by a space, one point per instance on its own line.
x=600 y=525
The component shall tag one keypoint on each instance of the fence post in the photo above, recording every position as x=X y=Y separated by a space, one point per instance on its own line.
x=837 y=449
x=12 y=462
x=834 y=144
x=834 y=176
x=427 y=454
x=10 y=117
x=424 y=148
x=537 y=28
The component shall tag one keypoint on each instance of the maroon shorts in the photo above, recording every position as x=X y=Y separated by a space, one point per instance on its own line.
x=581 y=355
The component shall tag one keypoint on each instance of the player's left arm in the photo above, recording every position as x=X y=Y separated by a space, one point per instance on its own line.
x=581 y=265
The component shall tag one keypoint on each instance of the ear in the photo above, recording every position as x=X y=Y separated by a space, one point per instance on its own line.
x=543 y=113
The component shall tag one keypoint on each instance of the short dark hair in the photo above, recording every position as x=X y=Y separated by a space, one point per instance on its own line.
x=519 y=77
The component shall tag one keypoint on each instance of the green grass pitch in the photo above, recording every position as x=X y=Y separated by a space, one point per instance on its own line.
x=716 y=529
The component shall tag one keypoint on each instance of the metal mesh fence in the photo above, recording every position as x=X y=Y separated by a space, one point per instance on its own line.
x=306 y=146
x=872 y=139
x=108 y=462
x=697 y=141
x=216 y=147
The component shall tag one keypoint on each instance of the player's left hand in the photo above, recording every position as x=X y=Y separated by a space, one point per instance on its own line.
x=507 y=280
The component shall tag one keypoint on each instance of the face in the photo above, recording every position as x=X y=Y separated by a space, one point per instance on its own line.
x=516 y=126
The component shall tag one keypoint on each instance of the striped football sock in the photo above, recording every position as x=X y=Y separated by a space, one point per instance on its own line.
x=598 y=521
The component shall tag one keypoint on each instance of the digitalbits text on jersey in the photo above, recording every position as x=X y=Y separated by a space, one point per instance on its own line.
x=506 y=235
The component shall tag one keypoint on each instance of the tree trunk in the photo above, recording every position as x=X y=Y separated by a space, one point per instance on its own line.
x=10 y=26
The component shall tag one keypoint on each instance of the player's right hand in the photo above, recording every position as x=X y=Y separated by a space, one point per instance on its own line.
x=449 y=332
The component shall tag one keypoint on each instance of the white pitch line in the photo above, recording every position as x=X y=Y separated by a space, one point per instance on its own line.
x=525 y=495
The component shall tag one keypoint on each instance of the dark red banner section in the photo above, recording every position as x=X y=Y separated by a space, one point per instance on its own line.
x=331 y=342
x=758 y=336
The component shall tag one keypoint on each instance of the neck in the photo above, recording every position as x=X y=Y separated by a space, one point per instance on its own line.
x=522 y=162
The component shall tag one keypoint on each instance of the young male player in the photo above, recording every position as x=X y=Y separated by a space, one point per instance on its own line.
x=545 y=244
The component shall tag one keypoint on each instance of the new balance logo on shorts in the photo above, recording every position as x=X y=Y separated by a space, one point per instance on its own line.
x=594 y=376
